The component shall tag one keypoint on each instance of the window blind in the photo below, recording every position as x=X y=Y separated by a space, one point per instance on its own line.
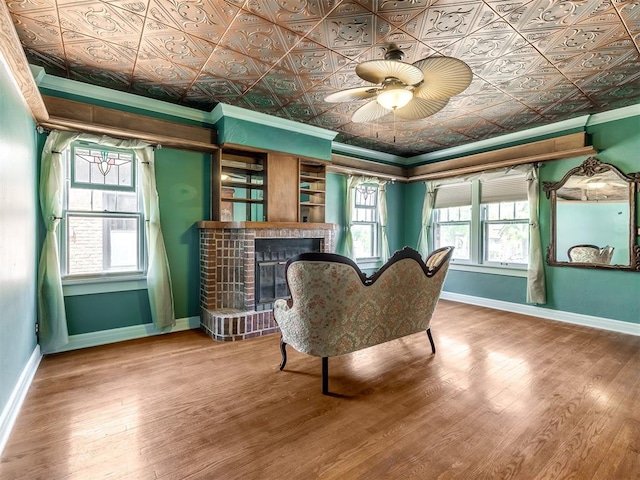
x=455 y=195
x=510 y=188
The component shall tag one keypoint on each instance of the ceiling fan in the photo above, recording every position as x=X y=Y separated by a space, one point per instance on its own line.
x=410 y=91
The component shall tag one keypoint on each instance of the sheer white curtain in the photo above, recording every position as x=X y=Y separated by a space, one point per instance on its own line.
x=382 y=212
x=424 y=239
x=51 y=311
x=536 y=285
x=536 y=289
x=348 y=216
x=352 y=183
x=158 y=274
x=52 y=317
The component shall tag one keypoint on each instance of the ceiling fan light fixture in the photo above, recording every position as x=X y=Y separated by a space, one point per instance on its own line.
x=394 y=98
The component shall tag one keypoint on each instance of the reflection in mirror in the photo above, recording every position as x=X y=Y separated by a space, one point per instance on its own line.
x=593 y=218
x=593 y=210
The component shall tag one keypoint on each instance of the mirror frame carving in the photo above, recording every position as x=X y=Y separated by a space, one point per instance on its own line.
x=590 y=167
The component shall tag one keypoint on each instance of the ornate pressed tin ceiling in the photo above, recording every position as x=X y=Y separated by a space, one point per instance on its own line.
x=534 y=62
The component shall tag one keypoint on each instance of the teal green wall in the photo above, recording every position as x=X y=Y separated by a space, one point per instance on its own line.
x=259 y=135
x=601 y=293
x=105 y=311
x=395 y=216
x=19 y=212
x=414 y=198
x=335 y=199
x=183 y=186
x=182 y=180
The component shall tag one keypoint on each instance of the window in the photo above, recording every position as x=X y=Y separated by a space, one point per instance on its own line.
x=102 y=215
x=365 y=226
x=486 y=220
x=452 y=219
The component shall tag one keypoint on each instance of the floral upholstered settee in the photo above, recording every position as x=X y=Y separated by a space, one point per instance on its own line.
x=336 y=309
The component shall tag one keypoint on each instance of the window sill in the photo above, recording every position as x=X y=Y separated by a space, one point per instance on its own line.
x=490 y=269
x=369 y=263
x=90 y=286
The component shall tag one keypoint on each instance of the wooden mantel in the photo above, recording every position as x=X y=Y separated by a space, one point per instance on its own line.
x=267 y=225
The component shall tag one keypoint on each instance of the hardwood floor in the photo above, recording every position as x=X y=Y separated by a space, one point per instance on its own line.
x=506 y=396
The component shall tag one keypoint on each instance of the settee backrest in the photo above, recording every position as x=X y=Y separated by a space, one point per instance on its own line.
x=337 y=309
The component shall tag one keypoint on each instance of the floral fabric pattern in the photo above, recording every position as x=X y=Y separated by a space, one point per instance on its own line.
x=333 y=312
x=591 y=254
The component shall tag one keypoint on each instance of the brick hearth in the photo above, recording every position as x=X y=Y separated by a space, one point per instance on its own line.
x=227 y=274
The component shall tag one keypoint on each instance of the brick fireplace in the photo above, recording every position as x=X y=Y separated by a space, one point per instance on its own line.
x=228 y=273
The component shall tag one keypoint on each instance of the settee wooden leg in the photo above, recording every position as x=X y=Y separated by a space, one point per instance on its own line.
x=283 y=349
x=433 y=345
x=325 y=375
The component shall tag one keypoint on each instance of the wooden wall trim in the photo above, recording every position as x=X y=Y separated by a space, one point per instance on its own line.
x=566 y=146
x=13 y=54
x=356 y=166
x=83 y=117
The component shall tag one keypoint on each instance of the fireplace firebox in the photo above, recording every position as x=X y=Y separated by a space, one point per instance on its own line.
x=271 y=257
x=233 y=305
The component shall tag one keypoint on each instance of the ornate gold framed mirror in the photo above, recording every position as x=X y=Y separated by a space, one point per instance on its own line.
x=593 y=218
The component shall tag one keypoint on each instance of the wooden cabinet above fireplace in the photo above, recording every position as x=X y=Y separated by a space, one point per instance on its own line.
x=257 y=186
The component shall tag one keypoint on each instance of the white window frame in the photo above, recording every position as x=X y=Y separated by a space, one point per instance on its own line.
x=375 y=223
x=476 y=262
x=101 y=282
x=484 y=222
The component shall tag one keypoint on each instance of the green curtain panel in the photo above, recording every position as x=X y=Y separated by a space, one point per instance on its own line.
x=51 y=310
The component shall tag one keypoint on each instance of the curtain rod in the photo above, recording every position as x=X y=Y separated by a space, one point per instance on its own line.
x=368 y=173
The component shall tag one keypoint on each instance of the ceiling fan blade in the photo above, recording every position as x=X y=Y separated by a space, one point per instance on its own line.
x=375 y=71
x=358 y=93
x=419 y=108
x=369 y=111
x=444 y=77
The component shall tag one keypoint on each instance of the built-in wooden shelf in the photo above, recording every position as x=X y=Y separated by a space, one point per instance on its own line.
x=312 y=191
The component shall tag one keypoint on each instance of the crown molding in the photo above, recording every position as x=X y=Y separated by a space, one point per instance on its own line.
x=116 y=97
x=230 y=111
x=469 y=148
x=13 y=58
x=610 y=116
x=366 y=154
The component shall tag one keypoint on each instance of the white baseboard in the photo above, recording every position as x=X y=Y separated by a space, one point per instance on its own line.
x=103 y=337
x=558 y=315
x=12 y=408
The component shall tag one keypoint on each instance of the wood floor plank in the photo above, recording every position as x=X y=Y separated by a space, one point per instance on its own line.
x=506 y=396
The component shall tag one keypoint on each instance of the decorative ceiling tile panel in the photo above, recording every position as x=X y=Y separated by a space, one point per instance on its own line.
x=226 y=63
x=488 y=43
x=290 y=11
x=35 y=34
x=154 y=90
x=451 y=20
x=175 y=46
x=344 y=32
x=533 y=61
x=99 y=76
x=82 y=50
x=101 y=21
x=134 y=6
x=32 y=7
x=52 y=59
